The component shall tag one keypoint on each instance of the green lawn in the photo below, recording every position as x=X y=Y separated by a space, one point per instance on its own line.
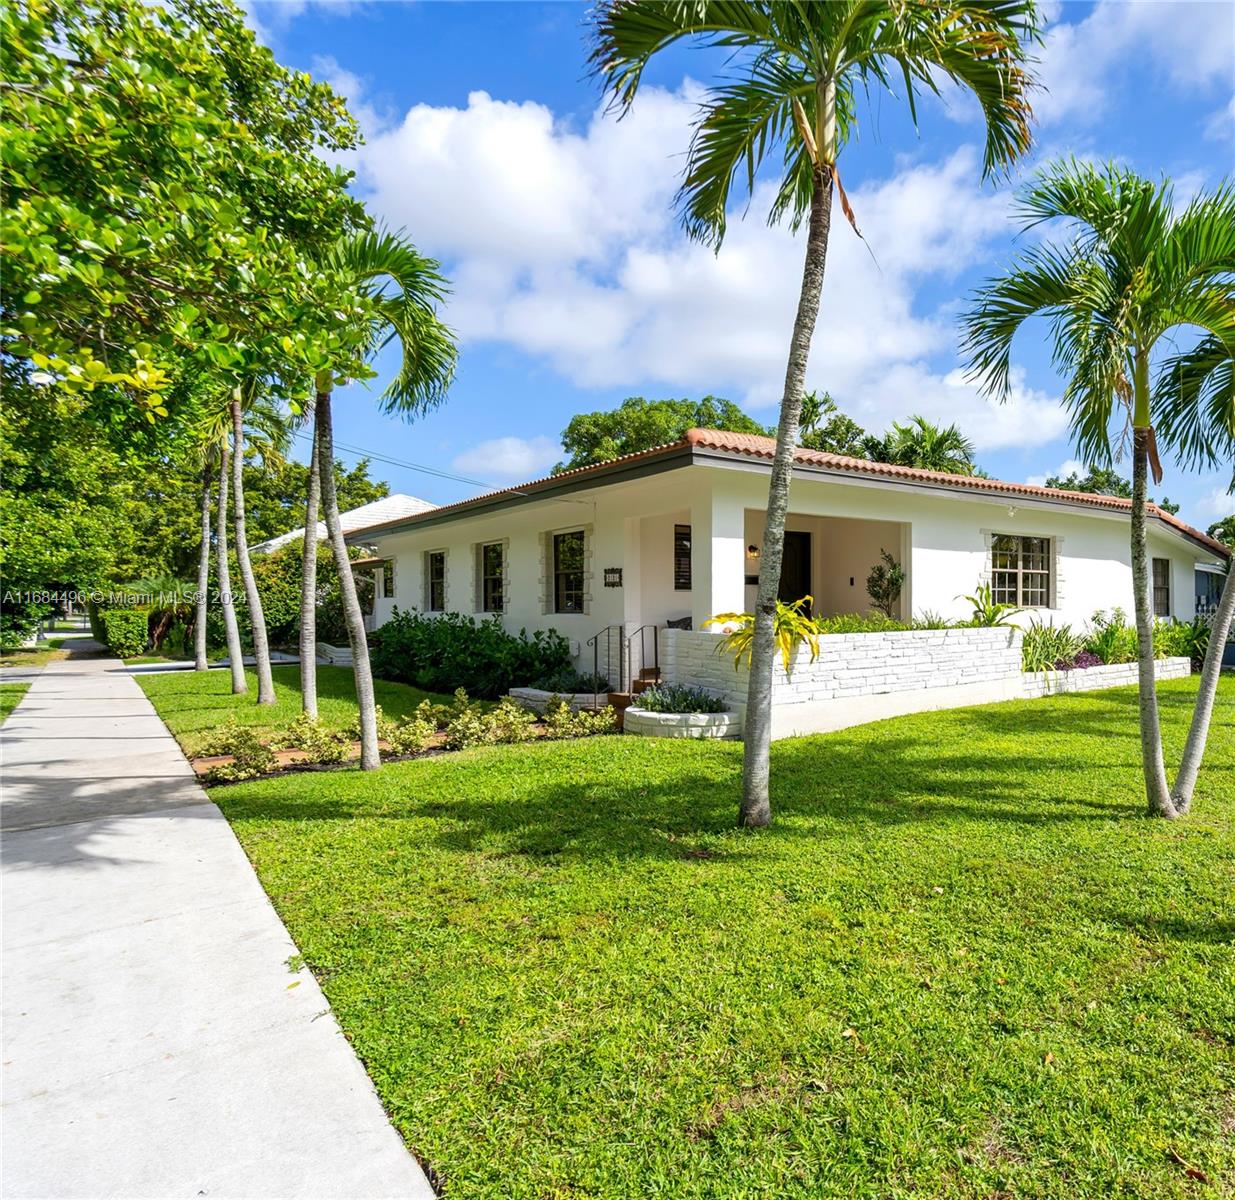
x=192 y=703
x=40 y=655
x=960 y=963
x=10 y=695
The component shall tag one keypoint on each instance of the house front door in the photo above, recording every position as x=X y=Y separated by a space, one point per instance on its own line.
x=795 y=567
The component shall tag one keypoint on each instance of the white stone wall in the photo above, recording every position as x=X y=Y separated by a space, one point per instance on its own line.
x=1093 y=678
x=852 y=665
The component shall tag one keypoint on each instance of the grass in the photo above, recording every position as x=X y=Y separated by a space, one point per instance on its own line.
x=34 y=656
x=10 y=697
x=192 y=703
x=961 y=963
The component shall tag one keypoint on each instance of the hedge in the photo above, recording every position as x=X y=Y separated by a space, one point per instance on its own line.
x=127 y=630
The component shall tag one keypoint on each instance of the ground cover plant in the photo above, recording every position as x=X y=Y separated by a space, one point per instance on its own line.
x=679 y=698
x=10 y=697
x=960 y=963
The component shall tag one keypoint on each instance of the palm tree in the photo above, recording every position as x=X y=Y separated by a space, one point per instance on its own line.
x=249 y=404
x=308 y=584
x=1132 y=273
x=800 y=69
x=930 y=447
x=1197 y=392
x=369 y=262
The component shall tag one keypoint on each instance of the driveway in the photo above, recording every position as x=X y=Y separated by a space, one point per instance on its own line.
x=156 y=1041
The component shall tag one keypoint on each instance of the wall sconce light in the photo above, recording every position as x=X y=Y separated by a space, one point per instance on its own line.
x=752 y=551
x=1011 y=510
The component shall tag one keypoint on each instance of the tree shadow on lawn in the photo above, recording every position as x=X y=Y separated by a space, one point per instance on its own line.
x=505 y=800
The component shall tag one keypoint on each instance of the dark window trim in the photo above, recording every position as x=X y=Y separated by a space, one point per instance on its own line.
x=492 y=582
x=1161 y=592
x=682 y=570
x=1022 y=574
x=568 y=581
x=435 y=584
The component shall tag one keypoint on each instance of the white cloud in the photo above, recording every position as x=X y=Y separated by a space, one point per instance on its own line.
x=1187 y=44
x=561 y=241
x=1217 y=501
x=506 y=459
x=1070 y=466
x=1221 y=124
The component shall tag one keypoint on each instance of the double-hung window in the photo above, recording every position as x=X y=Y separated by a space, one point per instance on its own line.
x=568 y=556
x=435 y=581
x=492 y=577
x=1021 y=570
x=1162 y=587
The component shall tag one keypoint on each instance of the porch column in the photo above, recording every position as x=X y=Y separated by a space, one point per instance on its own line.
x=718 y=555
x=632 y=574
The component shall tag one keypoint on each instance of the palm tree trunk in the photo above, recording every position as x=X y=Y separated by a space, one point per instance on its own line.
x=308 y=589
x=234 y=651
x=200 y=662
x=257 y=618
x=1194 y=748
x=370 y=759
x=756 y=807
x=1157 y=793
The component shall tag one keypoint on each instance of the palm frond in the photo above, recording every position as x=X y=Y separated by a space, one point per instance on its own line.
x=1195 y=403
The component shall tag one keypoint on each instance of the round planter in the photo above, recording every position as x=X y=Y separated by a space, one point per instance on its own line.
x=643 y=723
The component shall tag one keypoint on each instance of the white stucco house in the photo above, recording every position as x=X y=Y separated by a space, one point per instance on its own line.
x=671 y=536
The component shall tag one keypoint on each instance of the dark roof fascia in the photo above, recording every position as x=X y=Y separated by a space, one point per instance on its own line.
x=621 y=471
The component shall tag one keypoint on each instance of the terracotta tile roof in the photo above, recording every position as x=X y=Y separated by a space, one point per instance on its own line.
x=753 y=446
x=764 y=447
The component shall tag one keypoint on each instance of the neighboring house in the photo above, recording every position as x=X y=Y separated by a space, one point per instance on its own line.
x=672 y=535
x=389 y=508
x=1210 y=576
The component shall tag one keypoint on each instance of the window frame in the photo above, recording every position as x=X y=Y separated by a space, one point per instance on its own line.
x=485 y=578
x=1021 y=582
x=1155 y=587
x=683 y=565
x=559 y=594
x=431 y=582
x=388 y=579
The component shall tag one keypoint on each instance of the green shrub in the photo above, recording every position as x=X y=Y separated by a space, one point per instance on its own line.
x=884 y=584
x=561 y=721
x=1177 y=639
x=251 y=757
x=472 y=725
x=386 y=727
x=872 y=622
x=1048 y=647
x=1111 y=638
x=987 y=611
x=414 y=735
x=930 y=619
x=678 y=698
x=792 y=628
x=451 y=650
x=311 y=737
x=126 y=629
x=569 y=681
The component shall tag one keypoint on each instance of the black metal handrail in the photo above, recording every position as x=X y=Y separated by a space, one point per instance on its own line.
x=610 y=634
x=641 y=634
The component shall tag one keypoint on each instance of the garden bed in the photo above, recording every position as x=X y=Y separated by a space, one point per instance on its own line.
x=1106 y=675
x=537 y=699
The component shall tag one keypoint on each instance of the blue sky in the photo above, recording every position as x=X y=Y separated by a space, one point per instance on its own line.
x=574 y=288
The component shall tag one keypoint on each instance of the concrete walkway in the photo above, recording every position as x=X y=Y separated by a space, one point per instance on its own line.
x=156 y=1043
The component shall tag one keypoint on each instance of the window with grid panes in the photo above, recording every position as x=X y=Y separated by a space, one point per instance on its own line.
x=1021 y=570
x=1162 y=587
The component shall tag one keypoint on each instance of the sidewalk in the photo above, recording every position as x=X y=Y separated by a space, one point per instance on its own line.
x=156 y=1043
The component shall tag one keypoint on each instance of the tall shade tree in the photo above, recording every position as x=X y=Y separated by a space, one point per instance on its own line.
x=245 y=406
x=1129 y=272
x=796 y=72
x=930 y=447
x=402 y=290
x=1196 y=393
